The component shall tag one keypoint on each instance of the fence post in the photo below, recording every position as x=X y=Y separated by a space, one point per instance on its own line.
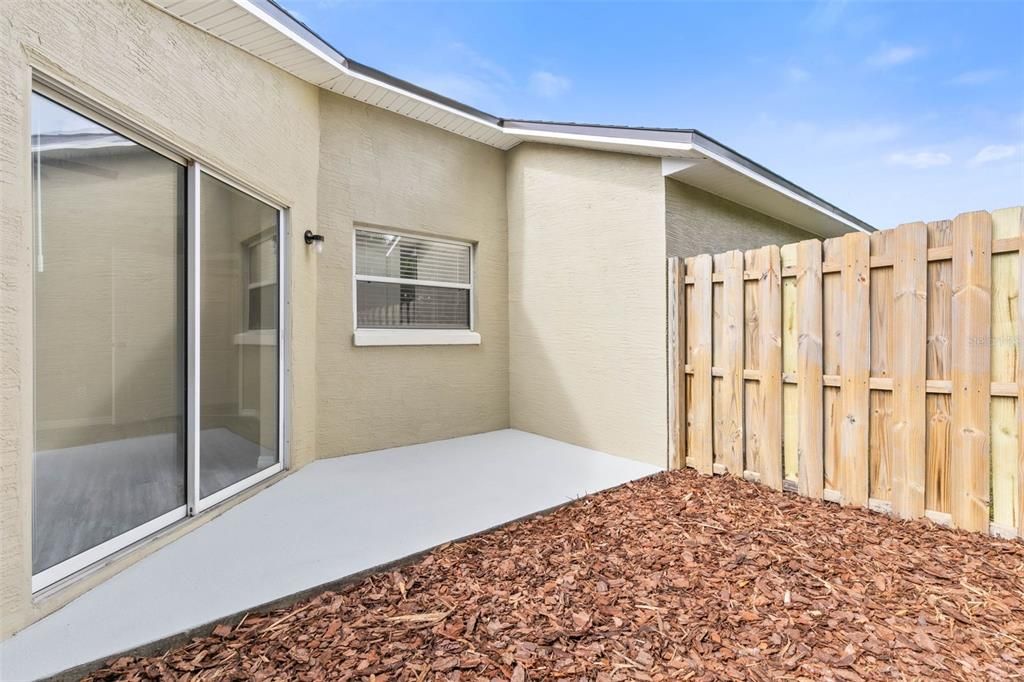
x=854 y=394
x=972 y=377
x=770 y=349
x=701 y=427
x=731 y=397
x=810 y=389
x=676 y=361
x=910 y=323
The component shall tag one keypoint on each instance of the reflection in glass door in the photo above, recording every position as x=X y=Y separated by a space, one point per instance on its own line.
x=109 y=340
x=239 y=320
x=157 y=339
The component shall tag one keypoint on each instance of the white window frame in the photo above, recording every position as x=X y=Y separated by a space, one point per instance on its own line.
x=247 y=336
x=414 y=337
x=56 y=577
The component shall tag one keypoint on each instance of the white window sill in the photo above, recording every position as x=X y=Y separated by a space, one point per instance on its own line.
x=415 y=337
x=257 y=337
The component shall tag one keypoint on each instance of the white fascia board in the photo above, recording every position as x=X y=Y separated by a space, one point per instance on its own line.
x=627 y=145
x=281 y=28
x=340 y=66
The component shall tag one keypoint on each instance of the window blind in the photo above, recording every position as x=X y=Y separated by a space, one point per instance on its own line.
x=405 y=282
x=405 y=257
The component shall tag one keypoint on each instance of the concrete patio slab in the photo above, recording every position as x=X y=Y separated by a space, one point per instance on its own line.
x=332 y=519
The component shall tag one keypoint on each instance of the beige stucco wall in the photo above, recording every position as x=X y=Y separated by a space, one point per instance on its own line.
x=587 y=299
x=700 y=222
x=384 y=170
x=222 y=106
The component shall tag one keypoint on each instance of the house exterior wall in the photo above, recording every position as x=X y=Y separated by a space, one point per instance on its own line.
x=386 y=171
x=587 y=299
x=699 y=222
x=246 y=118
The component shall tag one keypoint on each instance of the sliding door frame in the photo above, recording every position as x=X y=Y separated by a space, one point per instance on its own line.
x=54 y=577
x=196 y=502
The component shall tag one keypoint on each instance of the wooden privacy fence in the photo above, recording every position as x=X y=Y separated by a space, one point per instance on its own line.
x=880 y=370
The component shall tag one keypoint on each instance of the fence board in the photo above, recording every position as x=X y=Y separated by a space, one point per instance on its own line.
x=1006 y=446
x=810 y=452
x=910 y=320
x=854 y=394
x=770 y=351
x=972 y=382
x=832 y=348
x=730 y=420
x=687 y=402
x=698 y=331
x=790 y=341
x=752 y=362
x=677 y=360
x=880 y=446
x=939 y=363
x=717 y=408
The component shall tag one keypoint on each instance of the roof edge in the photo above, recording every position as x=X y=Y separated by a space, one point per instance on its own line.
x=682 y=138
x=626 y=136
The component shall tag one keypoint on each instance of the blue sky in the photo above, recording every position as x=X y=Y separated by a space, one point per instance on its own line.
x=893 y=111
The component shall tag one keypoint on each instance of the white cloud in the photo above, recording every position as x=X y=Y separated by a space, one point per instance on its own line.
x=456 y=70
x=979 y=77
x=860 y=134
x=825 y=16
x=467 y=55
x=893 y=56
x=547 y=84
x=795 y=74
x=992 y=153
x=919 y=160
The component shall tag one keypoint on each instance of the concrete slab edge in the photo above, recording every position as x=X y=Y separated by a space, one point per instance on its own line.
x=76 y=673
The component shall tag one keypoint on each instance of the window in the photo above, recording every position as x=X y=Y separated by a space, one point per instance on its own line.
x=412 y=290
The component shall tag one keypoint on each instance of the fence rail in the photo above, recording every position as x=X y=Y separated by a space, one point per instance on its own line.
x=880 y=370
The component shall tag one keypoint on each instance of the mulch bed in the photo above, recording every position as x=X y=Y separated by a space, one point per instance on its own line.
x=673 y=577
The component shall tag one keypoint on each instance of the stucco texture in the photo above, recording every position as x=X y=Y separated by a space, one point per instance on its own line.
x=245 y=118
x=699 y=222
x=587 y=299
x=390 y=172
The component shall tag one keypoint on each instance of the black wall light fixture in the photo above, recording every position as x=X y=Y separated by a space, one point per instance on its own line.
x=315 y=239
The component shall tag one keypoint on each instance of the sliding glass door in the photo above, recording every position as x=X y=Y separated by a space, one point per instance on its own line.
x=239 y=304
x=109 y=338
x=157 y=339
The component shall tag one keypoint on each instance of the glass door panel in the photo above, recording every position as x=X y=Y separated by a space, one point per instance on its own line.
x=239 y=318
x=109 y=339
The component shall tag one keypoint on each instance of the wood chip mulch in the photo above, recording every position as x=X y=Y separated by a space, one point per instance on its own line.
x=674 y=577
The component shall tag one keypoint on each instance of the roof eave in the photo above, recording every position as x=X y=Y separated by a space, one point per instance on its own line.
x=315 y=60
